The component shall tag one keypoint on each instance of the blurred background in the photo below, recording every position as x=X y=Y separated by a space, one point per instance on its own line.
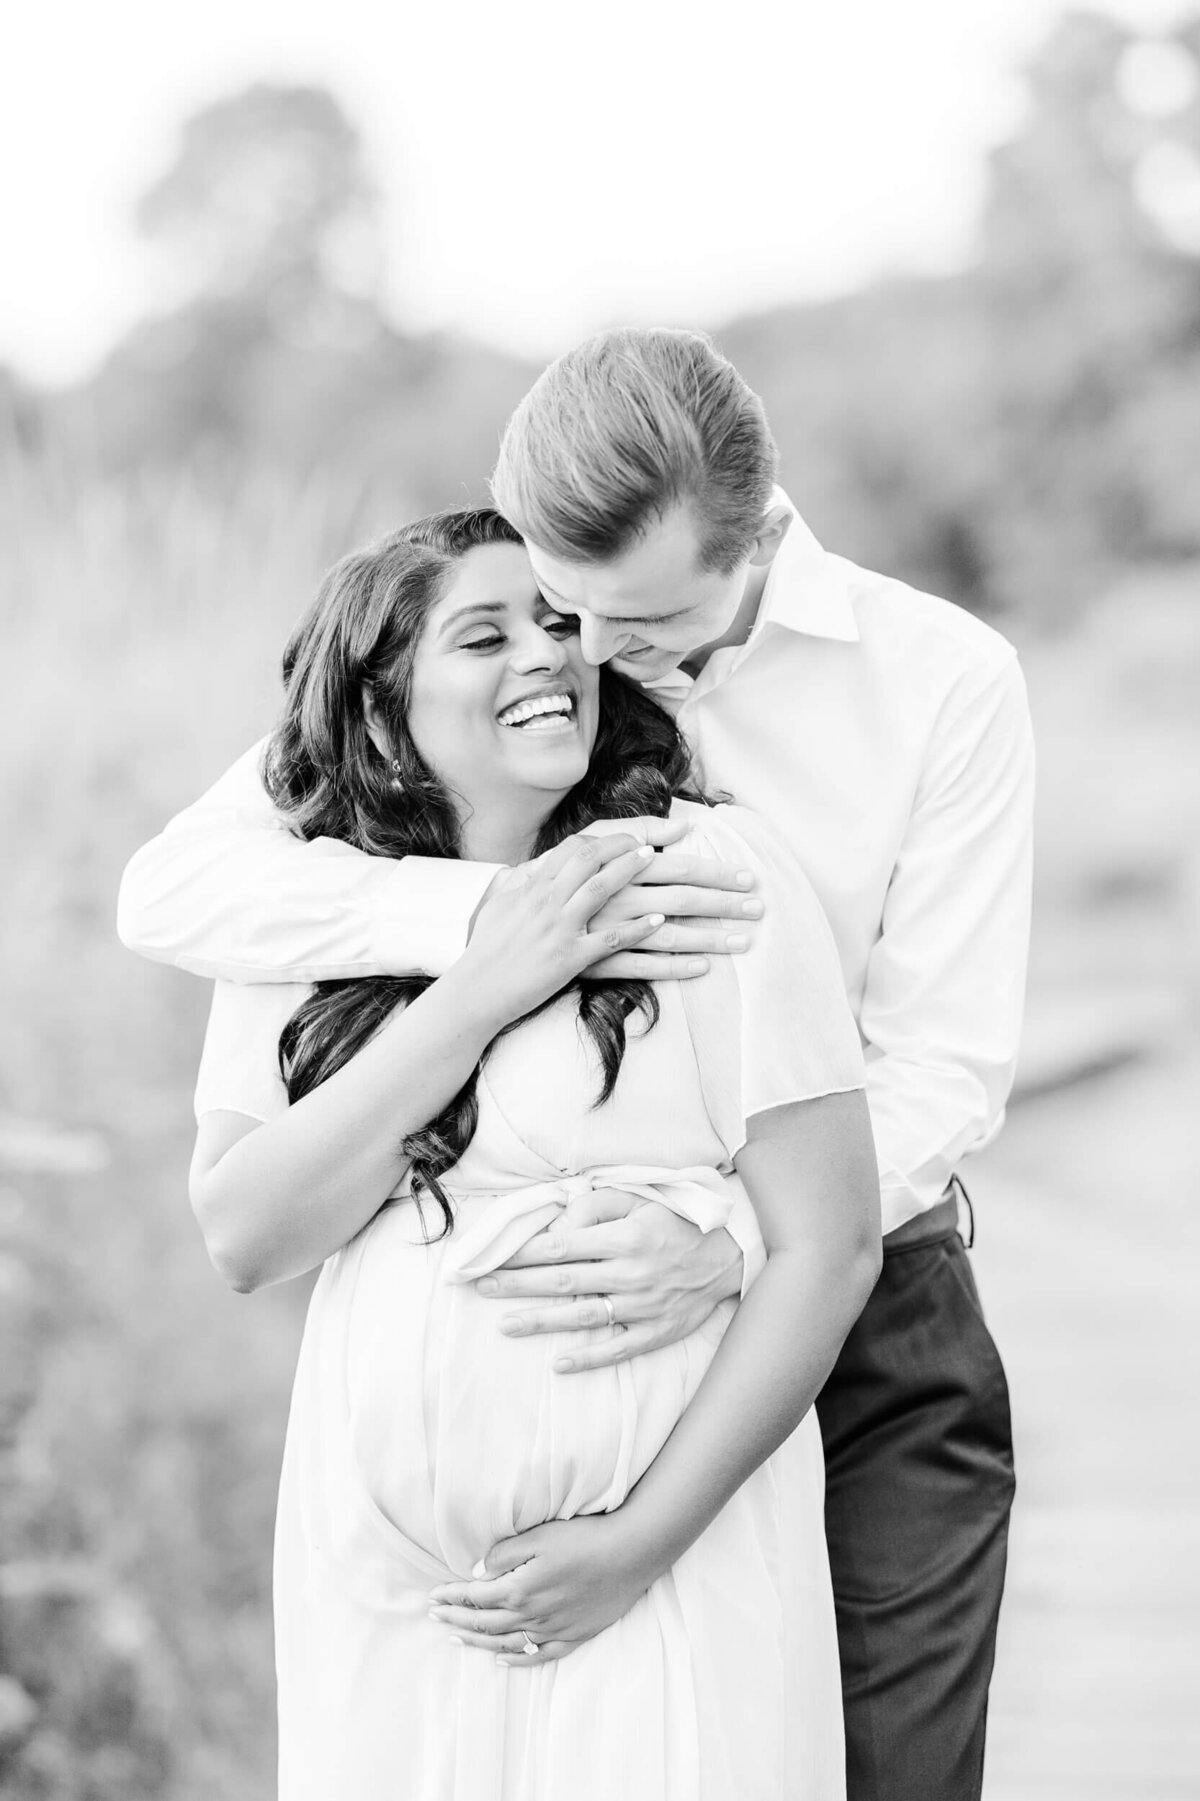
x=273 y=280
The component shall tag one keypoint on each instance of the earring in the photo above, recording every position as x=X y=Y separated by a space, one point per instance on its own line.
x=396 y=781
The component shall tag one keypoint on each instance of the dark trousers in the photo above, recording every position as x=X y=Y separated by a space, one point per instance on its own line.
x=919 y=1484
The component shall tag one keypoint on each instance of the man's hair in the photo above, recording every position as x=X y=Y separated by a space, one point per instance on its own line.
x=622 y=429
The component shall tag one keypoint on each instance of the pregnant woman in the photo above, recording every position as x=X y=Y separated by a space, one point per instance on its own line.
x=411 y=1135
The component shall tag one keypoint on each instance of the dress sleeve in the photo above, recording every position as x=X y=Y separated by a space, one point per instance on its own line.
x=239 y=1065
x=772 y=1025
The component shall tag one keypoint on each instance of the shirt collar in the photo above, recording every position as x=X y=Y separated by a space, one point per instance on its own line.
x=806 y=590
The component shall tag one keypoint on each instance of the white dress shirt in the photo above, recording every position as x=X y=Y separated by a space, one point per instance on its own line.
x=884 y=734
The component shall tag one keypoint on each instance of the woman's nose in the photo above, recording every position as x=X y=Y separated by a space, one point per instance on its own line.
x=539 y=650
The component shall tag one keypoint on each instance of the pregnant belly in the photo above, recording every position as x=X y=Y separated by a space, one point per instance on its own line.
x=463 y=1437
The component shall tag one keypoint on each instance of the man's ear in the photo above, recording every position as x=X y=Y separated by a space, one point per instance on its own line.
x=375 y=731
x=772 y=532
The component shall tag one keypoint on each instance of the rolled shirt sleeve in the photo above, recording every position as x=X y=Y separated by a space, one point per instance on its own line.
x=945 y=983
x=228 y=891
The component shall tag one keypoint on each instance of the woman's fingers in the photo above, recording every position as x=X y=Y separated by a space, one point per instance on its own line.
x=496 y=1643
x=481 y=1622
x=582 y=887
x=550 y=1652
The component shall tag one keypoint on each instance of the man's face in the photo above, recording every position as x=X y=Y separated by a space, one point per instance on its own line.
x=646 y=610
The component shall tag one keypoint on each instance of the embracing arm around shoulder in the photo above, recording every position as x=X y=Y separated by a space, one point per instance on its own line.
x=226 y=890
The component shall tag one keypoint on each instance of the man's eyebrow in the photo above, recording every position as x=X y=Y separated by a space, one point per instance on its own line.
x=479 y=606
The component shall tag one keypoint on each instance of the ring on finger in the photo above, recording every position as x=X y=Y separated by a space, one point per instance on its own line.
x=609 y=1309
x=529 y=1648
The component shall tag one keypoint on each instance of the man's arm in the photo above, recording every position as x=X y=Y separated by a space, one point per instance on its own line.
x=942 y=1005
x=227 y=890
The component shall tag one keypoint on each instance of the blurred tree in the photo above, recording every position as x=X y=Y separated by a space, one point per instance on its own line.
x=1016 y=434
x=268 y=204
x=1093 y=315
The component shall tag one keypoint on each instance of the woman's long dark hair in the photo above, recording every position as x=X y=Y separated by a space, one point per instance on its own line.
x=326 y=776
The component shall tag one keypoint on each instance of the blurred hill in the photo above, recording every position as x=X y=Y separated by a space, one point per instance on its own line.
x=1014 y=436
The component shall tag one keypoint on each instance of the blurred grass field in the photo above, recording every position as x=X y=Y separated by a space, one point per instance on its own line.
x=142 y=1406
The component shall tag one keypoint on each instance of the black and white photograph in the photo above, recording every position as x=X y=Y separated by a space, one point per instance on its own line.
x=600 y=620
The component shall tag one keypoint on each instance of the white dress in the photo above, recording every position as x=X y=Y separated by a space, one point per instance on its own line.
x=419 y=1436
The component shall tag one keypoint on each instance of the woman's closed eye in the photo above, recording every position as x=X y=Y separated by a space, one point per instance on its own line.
x=557 y=625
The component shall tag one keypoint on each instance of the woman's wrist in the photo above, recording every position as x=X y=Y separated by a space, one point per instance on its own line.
x=470 y=994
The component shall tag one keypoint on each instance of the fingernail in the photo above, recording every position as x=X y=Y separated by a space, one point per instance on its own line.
x=480 y=1571
x=434 y=1614
x=563 y=1365
x=455 y=1641
x=697 y=966
x=488 y=1285
x=745 y=879
x=512 y=1325
x=752 y=909
x=647 y=850
x=508 y=1662
x=737 y=941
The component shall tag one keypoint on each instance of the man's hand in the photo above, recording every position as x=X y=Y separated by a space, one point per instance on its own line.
x=663 y=1275
x=696 y=894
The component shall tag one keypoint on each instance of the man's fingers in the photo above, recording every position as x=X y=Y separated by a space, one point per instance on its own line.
x=603 y=1353
x=646 y=966
x=598 y=1206
x=682 y=901
x=585 y=1315
x=560 y=1245
x=684 y=937
x=697 y=872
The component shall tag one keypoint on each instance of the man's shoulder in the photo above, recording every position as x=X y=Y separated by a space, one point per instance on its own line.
x=905 y=621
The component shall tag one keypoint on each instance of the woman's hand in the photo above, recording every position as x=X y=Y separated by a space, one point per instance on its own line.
x=561 y=1583
x=530 y=937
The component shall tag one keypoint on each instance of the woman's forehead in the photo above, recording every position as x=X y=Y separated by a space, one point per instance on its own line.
x=489 y=574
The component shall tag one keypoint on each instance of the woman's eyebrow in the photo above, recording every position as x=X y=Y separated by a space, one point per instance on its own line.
x=479 y=606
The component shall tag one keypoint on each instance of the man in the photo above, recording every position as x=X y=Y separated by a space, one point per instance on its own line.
x=885 y=734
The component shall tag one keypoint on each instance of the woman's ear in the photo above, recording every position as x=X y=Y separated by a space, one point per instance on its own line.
x=375 y=731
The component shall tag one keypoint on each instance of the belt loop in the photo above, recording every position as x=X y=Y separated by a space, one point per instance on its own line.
x=956 y=1182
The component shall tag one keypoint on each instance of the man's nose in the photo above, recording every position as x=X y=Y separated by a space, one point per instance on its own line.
x=600 y=639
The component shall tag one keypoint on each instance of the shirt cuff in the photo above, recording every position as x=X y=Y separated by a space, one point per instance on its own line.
x=743 y=1228
x=422 y=924
x=901 y=1199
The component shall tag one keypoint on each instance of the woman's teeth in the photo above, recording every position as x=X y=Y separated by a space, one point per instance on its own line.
x=545 y=711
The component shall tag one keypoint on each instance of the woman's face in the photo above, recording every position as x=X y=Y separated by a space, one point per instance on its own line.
x=501 y=701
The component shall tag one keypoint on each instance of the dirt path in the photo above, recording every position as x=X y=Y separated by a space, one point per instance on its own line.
x=1088 y=1253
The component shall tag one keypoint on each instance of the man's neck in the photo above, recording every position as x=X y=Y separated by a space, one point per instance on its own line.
x=742 y=623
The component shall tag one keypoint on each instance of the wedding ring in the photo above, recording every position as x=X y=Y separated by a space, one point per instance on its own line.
x=609 y=1309
x=528 y=1649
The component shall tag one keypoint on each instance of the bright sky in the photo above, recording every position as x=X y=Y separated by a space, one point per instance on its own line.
x=549 y=168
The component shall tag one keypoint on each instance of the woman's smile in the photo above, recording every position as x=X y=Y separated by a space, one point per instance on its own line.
x=502 y=704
